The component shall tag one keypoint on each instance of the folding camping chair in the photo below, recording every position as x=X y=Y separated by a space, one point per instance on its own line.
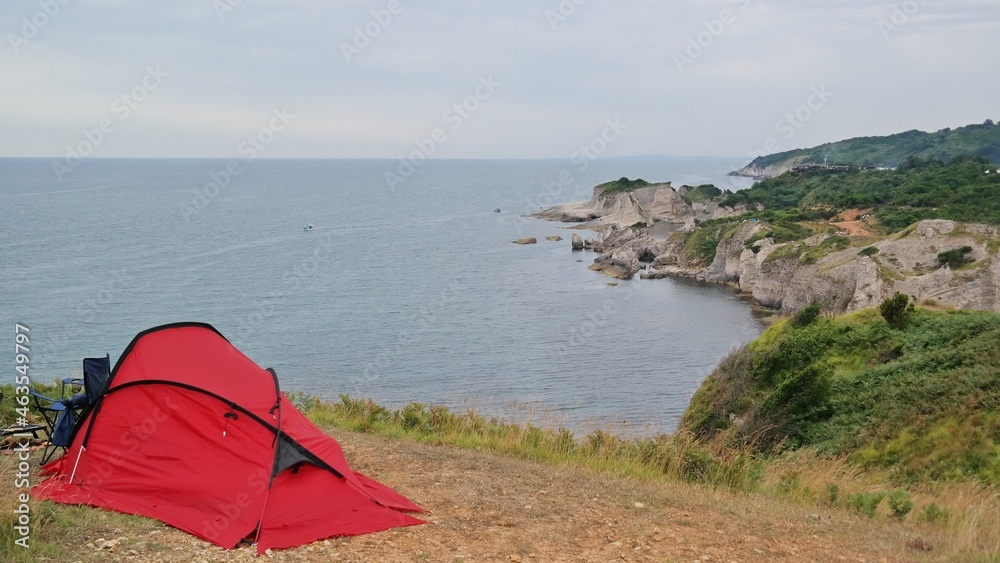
x=60 y=414
x=20 y=430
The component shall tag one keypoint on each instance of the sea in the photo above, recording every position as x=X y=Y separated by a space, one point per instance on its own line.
x=407 y=288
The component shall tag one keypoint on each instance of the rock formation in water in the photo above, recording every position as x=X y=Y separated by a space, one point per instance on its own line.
x=621 y=263
x=641 y=206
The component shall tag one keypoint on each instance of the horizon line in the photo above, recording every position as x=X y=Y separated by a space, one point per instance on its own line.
x=624 y=157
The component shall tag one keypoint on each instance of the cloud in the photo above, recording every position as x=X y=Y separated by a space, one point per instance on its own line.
x=559 y=81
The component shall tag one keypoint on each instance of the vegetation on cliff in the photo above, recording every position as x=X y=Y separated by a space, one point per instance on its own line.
x=921 y=398
x=892 y=150
x=967 y=188
x=702 y=193
x=622 y=185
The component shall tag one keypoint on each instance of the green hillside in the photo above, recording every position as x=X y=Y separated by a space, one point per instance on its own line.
x=966 y=188
x=923 y=399
x=890 y=151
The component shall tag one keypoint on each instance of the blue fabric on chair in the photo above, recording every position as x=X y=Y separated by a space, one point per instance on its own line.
x=56 y=403
x=76 y=402
x=63 y=428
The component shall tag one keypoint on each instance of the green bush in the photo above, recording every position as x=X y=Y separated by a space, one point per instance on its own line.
x=806 y=316
x=933 y=513
x=866 y=503
x=832 y=493
x=899 y=503
x=623 y=185
x=896 y=310
x=704 y=192
x=955 y=257
x=704 y=241
x=868 y=251
x=798 y=397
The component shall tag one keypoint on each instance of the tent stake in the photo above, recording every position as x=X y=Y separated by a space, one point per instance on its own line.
x=75 y=464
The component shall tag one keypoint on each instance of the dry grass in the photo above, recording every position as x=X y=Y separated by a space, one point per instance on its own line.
x=960 y=518
x=497 y=490
x=490 y=507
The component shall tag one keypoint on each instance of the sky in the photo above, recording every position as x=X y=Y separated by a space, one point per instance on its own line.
x=477 y=79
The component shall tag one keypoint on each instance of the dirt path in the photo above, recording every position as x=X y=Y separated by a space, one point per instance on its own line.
x=489 y=508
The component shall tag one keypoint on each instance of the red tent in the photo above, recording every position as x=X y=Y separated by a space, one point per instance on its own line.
x=192 y=432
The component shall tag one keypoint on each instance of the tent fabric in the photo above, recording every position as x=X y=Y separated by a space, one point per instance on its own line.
x=191 y=432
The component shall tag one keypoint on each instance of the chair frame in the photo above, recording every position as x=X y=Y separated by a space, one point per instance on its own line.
x=15 y=430
x=58 y=407
x=50 y=413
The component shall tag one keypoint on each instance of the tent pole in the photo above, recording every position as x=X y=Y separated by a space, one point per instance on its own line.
x=260 y=522
x=76 y=463
x=277 y=448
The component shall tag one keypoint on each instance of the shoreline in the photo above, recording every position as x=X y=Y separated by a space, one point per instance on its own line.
x=782 y=277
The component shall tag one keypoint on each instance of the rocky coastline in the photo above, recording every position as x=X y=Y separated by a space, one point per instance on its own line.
x=842 y=275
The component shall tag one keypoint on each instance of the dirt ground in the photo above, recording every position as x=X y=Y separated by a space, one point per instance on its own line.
x=845 y=222
x=491 y=508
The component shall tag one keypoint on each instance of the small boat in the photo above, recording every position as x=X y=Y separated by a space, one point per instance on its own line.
x=308 y=227
x=497 y=210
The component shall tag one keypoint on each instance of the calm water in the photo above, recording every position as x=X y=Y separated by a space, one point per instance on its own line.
x=406 y=294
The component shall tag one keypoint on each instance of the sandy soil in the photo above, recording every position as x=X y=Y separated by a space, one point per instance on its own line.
x=490 y=508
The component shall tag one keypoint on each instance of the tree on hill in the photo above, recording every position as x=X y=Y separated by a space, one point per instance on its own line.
x=955 y=257
x=896 y=310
